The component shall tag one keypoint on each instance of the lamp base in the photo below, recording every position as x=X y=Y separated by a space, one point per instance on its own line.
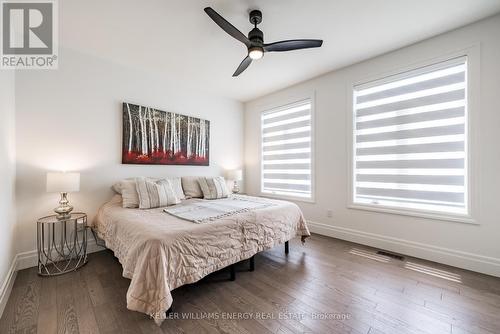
x=236 y=188
x=64 y=209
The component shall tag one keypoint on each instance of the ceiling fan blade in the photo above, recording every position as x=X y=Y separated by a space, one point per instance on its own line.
x=293 y=44
x=227 y=27
x=243 y=66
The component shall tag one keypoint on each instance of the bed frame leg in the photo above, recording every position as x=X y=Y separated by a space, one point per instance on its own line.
x=232 y=270
x=287 y=248
x=252 y=263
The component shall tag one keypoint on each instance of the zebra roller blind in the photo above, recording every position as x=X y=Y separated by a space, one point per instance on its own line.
x=287 y=150
x=410 y=140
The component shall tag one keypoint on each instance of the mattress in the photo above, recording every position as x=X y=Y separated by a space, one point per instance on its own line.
x=160 y=252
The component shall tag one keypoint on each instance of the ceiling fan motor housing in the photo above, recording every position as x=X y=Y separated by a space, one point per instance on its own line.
x=256 y=36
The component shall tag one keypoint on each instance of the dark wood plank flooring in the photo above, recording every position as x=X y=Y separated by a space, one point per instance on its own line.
x=325 y=286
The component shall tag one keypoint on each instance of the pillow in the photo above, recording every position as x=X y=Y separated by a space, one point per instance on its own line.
x=191 y=187
x=117 y=187
x=177 y=187
x=128 y=190
x=213 y=187
x=155 y=194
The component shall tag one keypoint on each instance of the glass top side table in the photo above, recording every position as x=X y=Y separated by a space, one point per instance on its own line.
x=62 y=244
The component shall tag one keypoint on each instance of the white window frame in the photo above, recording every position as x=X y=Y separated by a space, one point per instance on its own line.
x=283 y=104
x=472 y=54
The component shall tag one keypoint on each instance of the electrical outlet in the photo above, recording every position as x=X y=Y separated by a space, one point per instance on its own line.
x=329 y=213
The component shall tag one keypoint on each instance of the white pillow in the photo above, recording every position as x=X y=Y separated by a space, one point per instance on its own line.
x=117 y=187
x=191 y=187
x=155 y=194
x=177 y=187
x=213 y=187
x=130 y=198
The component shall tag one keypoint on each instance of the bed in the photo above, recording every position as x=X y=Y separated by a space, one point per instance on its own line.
x=160 y=252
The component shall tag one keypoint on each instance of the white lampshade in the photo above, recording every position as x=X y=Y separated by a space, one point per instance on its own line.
x=234 y=174
x=63 y=182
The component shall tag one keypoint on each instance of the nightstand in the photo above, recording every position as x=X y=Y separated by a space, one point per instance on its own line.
x=62 y=244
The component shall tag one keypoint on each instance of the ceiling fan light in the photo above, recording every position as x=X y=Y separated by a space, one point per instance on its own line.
x=255 y=52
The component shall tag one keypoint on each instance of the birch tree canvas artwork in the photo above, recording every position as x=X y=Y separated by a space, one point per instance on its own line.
x=152 y=136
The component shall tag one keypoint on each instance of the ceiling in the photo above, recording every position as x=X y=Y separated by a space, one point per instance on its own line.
x=176 y=39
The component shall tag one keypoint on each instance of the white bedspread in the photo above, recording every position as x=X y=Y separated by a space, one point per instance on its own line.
x=160 y=252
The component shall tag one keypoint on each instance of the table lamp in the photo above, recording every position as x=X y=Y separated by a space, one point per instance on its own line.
x=235 y=175
x=63 y=183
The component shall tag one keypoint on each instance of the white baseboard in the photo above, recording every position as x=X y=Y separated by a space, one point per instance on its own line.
x=27 y=260
x=7 y=284
x=475 y=262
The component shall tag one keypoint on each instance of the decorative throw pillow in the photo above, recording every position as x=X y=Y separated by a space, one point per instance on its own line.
x=213 y=187
x=177 y=187
x=191 y=187
x=155 y=194
x=127 y=189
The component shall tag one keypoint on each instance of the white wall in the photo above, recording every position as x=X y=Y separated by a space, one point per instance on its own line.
x=71 y=119
x=7 y=182
x=475 y=247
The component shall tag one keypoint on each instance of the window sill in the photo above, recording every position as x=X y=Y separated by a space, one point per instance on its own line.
x=415 y=213
x=288 y=198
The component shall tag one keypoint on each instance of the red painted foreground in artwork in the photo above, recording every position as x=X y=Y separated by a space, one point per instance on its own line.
x=161 y=158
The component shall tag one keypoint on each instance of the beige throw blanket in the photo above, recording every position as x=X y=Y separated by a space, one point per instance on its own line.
x=205 y=211
x=160 y=252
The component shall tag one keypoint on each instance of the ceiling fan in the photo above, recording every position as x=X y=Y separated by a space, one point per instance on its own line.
x=255 y=40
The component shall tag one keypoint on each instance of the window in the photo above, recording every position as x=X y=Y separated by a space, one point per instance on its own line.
x=410 y=140
x=287 y=151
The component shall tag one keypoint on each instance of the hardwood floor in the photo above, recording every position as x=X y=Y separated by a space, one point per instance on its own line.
x=325 y=286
